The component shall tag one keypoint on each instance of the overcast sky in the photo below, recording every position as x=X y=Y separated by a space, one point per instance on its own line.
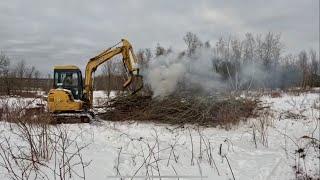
x=48 y=33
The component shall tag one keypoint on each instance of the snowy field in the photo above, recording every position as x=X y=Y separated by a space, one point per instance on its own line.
x=274 y=145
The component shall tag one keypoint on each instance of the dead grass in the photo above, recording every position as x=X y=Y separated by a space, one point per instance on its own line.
x=275 y=94
x=30 y=143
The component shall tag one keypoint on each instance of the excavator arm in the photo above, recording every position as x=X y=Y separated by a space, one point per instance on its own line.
x=129 y=60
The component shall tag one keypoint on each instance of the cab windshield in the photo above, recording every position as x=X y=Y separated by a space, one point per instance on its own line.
x=71 y=80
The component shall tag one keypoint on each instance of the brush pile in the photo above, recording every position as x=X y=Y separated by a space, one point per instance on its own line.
x=177 y=110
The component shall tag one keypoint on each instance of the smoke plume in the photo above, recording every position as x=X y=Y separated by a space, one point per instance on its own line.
x=204 y=72
x=170 y=72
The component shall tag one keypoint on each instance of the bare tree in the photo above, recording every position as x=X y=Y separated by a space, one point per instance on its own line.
x=269 y=49
x=159 y=50
x=193 y=42
x=314 y=62
x=148 y=54
x=4 y=73
x=108 y=71
x=303 y=62
x=236 y=54
x=222 y=49
x=37 y=74
x=21 y=69
x=314 y=68
x=144 y=57
x=248 y=48
x=4 y=64
x=207 y=45
x=30 y=72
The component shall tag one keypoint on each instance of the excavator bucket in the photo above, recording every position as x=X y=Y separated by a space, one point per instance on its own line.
x=138 y=83
x=134 y=83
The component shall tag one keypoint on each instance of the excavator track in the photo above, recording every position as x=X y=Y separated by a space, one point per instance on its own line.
x=72 y=117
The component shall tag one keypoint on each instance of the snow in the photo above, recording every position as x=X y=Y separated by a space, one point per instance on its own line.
x=12 y=102
x=290 y=119
x=100 y=98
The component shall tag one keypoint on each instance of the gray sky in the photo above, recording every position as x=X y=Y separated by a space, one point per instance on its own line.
x=48 y=33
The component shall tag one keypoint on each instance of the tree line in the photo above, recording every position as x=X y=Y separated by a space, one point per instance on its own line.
x=20 y=78
x=231 y=56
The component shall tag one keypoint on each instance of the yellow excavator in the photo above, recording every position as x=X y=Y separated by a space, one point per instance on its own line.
x=71 y=98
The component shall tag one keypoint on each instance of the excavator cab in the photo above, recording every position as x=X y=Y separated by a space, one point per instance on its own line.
x=70 y=78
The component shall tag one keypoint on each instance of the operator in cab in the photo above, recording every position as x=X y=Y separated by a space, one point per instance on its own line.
x=67 y=82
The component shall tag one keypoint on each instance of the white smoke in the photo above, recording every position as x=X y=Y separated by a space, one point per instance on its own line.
x=167 y=71
x=164 y=73
x=171 y=72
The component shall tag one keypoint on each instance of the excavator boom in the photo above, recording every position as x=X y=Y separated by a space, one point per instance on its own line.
x=129 y=60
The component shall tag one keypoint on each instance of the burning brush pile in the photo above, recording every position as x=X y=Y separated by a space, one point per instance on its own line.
x=187 y=83
x=178 y=110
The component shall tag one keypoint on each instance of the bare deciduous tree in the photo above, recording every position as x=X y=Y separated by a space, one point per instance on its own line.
x=303 y=62
x=144 y=57
x=21 y=69
x=248 y=48
x=269 y=49
x=108 y=71
x=193 y=42
x=159 y=50
x=4 y=73
x=314 y=62
x=207 y=45
x=4 y=64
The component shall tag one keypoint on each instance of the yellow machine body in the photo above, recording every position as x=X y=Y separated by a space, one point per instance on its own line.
x=61 y=100
x=68 y=67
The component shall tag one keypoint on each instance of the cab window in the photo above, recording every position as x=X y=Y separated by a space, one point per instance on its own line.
x=66 y=79
x=71 y=80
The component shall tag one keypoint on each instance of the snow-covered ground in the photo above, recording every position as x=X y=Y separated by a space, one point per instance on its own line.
x=14 y=102
x=266 y=147
x=99 y=99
